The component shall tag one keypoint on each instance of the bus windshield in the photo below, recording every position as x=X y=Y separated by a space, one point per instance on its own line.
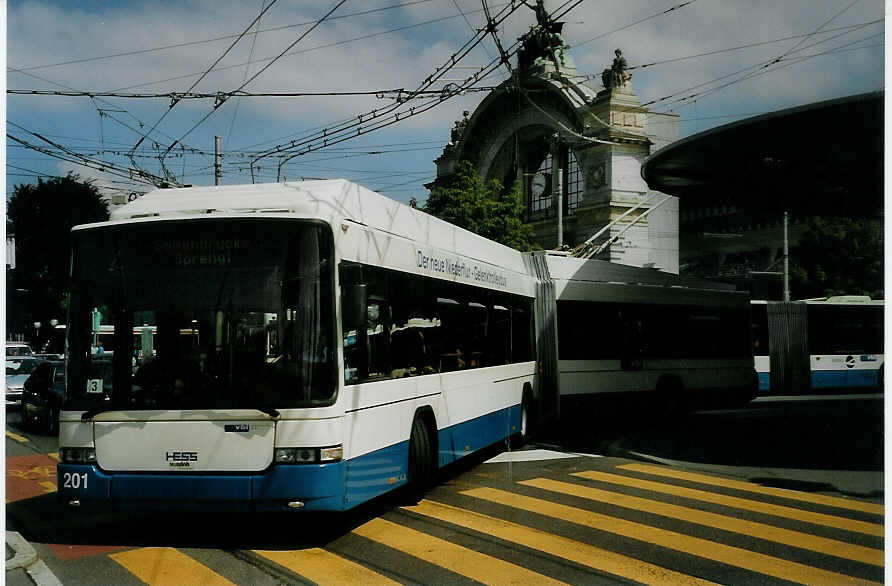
x=205 y=314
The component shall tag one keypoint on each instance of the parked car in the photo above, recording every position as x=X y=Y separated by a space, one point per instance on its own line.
x=18 y=369
x=42 y=396
x=18 y=349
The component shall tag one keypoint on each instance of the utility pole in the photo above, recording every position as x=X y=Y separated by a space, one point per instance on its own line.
x=557 y=188
x=786 y=256
x=218 y=161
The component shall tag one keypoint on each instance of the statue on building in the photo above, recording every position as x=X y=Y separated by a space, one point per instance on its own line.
x=543 y=41
x=458 y=131
x=616 y=75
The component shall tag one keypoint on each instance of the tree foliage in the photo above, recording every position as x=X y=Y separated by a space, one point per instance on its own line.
x=41 y=217
x=485 y=209
x=838 y=256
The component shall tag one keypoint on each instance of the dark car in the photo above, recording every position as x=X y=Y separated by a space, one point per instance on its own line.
x=42 y=396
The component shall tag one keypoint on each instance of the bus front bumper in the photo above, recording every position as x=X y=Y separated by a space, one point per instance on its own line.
x=309 y=487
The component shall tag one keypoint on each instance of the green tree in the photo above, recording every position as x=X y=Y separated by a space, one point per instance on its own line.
x=838 y=256
x=41 y=217
x=485 y=209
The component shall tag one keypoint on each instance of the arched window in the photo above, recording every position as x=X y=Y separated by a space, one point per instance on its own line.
x=540 y=190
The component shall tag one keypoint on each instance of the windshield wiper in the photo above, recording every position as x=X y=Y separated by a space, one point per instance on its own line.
x=87 y=416
x=269 y=411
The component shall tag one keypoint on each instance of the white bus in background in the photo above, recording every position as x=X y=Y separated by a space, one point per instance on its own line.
x=315 y=344
x=633 y=338
x=832 y=344
x=340 y=344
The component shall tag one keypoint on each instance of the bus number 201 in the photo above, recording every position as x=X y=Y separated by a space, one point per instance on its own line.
x=74 y=481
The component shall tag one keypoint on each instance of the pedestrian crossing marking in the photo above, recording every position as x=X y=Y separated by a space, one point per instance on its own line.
x=798 y=539
x=719 y=552
x=455 y=558
x=736 y=502
x=163 y=566
x=19 y=438
x=580 y=553
x=820 y=499
x=323 y=567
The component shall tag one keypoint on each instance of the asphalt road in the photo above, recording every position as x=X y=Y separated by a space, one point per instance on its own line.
x=782 y=492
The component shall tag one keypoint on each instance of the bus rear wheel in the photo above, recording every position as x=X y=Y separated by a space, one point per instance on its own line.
x=522 y=436
x=420 y=458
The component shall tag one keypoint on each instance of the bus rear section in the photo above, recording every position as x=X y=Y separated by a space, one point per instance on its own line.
x=629 y=338
x=832 y=345
x=231 y=405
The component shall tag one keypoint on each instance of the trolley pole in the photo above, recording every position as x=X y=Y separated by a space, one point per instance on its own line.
x=218 y=161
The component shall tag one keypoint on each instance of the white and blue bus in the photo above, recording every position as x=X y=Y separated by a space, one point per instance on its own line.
x=339 y=345
x=832 y=344
x=312 y=345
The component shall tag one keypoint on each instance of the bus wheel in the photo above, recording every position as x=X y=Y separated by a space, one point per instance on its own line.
x=420 y=461
x=526 y=420
x=671 y=399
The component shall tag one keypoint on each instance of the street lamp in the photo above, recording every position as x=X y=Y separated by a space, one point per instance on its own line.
x=37 y=325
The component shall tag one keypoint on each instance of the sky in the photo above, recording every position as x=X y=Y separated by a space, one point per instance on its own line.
x=712 y=62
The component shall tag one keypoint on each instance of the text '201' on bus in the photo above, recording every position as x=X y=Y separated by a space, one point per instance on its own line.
x=312 y=345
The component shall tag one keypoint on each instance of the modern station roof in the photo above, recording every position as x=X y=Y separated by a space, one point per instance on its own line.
x=822 y=159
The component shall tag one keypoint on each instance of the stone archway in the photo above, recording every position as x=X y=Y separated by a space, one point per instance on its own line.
x=545 y=114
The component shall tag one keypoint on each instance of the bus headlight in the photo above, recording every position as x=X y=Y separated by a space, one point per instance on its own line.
x=78 y=455
x=308 y=455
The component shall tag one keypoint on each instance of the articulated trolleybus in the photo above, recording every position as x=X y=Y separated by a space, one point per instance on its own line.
x=312 y=345
x=315 y=344
x=630 y=338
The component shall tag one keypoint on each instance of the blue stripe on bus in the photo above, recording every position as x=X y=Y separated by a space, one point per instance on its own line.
x=828 y=379
x=321 y=487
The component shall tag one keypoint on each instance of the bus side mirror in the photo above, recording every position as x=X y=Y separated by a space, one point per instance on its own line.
x=354 y=300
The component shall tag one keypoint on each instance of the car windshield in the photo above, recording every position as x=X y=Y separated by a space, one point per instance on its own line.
x=21 y=366
x=18 y=351
x=201 y=314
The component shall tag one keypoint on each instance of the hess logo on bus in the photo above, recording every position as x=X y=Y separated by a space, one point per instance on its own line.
x=180 y=459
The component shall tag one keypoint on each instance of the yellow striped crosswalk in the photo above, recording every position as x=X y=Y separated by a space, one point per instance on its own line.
x=737 y=502
x=323 y=567
x=554 y=530
x=559 y=547
x=455 y=558
x=799 y=539
x=807 y=497
x=726 y=554
x=163 y=566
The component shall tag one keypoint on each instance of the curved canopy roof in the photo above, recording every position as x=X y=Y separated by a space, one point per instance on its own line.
x=823 y=158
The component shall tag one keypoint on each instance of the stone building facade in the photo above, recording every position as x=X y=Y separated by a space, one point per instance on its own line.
x=547 y=118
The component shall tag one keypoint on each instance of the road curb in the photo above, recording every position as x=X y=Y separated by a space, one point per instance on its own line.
x=26 y=559
x=24 y=553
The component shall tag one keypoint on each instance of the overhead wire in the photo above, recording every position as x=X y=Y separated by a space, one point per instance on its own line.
x=174 y=102
x=339 y=132
x=849 y=28
x=211 y=40
x=311 y=49
x=238 y=101
x=753 y=71
x=256 y=75
x=631 y=24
